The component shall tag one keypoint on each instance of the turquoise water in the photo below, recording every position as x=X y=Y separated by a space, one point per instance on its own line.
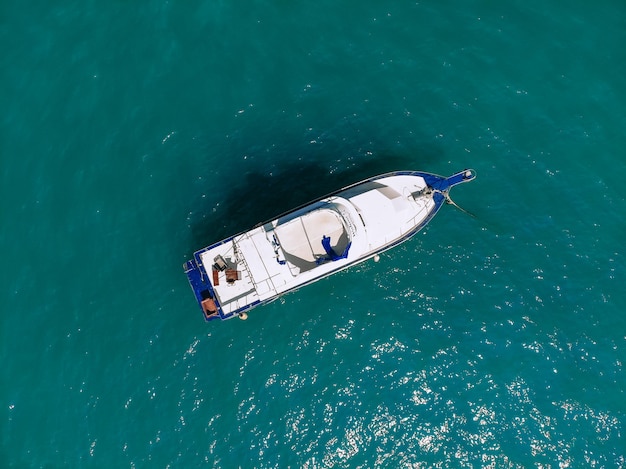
x=134 y=134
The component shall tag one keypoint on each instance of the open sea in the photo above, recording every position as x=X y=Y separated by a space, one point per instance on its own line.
x=134 y=133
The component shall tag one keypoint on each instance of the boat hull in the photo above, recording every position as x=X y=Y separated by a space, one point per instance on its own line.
x=318 y=239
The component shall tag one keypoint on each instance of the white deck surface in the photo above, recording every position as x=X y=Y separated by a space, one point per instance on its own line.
x=368 y=220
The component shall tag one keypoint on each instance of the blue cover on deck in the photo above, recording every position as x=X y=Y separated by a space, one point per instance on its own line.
x=331 y=254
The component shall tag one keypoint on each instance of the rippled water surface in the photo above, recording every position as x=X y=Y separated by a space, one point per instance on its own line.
x=133 y=135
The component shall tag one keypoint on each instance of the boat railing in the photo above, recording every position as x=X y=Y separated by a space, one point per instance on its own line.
x=242 y=260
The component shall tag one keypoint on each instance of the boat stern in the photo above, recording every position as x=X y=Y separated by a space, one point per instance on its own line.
x=203 y=290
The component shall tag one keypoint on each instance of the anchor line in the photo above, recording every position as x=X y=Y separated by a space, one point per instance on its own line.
x=449 y=201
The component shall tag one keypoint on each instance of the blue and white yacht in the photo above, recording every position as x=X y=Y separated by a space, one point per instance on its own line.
x=314 y=241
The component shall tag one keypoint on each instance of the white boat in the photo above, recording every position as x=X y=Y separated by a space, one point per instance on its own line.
x=314 y=241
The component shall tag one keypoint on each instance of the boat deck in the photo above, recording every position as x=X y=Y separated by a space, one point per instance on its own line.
x=268 y=260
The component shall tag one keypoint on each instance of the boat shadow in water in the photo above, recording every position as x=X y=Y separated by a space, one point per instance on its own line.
x=260 y=197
